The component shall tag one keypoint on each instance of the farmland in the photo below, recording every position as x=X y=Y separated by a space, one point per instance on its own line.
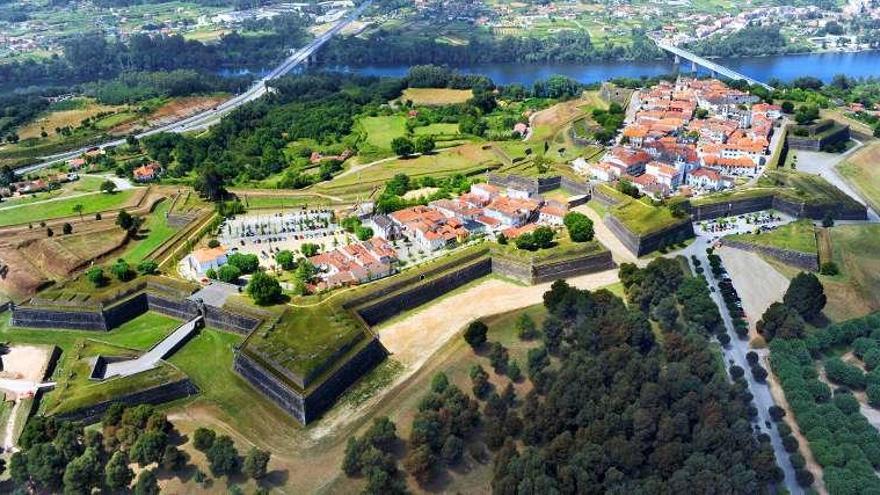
x=64 y=207
x=436 y=96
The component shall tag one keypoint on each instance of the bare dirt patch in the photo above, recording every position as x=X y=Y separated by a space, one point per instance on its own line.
x=436 y=96
x=758 y=283
x=172 y=111
x=25 y=362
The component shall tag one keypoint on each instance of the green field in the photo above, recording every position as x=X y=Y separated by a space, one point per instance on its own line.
x=797 y=236
x=856 y=290
x=153 y=234
x=74 y=388
x=64 y=207
x=638 y=215
x=862 y=171
x=277 y=202
x=380 y=131
x=563 y=249
x=84 y=184
x=437 y=130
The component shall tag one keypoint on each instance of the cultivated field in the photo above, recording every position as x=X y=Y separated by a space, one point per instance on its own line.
x=436 y=96
x=64 y=207
x=74 y=113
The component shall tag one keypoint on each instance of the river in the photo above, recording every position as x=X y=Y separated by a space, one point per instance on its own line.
x=782 y=67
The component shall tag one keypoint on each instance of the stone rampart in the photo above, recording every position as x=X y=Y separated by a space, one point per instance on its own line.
x=804 y=261
x=642 y=245
x=29 y=317
x=732 y=207
x=156 y=395
x=421 y=292
x=272 y=387
x=529 y=272
x=577 y=187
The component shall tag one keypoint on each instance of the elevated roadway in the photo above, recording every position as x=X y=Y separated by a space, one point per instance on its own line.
x=207 y=118
x=716 y=69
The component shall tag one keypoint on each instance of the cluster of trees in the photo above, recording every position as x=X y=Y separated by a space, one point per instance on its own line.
x=540 y=238
x=15 y=110
x=372 y=456
x=842 y=440
x=60 y=456
x=224 y=459
x=803 y=301
x=92 y=57
x=579 y=226
x=133 y=87
x=621 y=413
x=391 y=199
x=609 y=120
x=749 y=41
x=403 y=46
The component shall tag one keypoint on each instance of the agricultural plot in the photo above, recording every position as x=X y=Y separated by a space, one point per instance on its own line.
x=65 y=114
x=436 y=96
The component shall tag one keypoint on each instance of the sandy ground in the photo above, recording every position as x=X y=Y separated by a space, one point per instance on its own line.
x=618 y=251
x=25 y=362
x=758 y=283
x=413 y=340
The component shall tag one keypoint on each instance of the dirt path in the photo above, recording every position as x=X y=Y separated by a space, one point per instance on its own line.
x=758 y=283
x=618 y=251
x=415 y=339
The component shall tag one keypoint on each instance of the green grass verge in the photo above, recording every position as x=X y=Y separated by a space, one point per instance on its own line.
x=380 y=131
x=797 y=236
x=153 y=234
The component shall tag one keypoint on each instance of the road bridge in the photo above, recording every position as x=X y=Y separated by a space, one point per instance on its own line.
x=716 y=69
x=208 y=118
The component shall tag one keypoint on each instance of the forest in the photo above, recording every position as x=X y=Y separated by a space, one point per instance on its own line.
x=392 y=46
x=747 y=42
x=92 y=57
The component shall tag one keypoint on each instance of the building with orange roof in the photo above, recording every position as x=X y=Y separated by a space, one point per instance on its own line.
x=203 y=259
x=706 y=178
x=148 y=172
x=355 y=263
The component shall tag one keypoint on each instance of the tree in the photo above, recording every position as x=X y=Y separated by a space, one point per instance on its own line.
x=308 y=249
x=780 y=321
x=121 y=270
x=147 y=267
x=452 y=449
x=255 y=463
x=475 y=334
x=210 y=184
x=203 y=438
x=525 y=327
x=124 y=220
x=228 y=273
x=805 y=295
x=149 y=447
x=580 y=227
x=788 y=107
x=173 y=459
x=96 y=276
x=264 y=288
x=364 y=233
x=78 y=208
x=213 y=243
x=223 y=457
x=285 y=259
x=828 y=220
x=117 y=474
x=83 y=473
x=480 y=380
x=49 y=232
x=66 y=229
x=246 y=263
x=424 y=144
x=108 y=186
x=402 y=146
x=419 y=462
x=829 y=268
x=45 y=465
x=147 y=483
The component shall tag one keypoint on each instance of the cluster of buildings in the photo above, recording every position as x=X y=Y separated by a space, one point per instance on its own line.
x=47 y=183
x=485 y=209
x=355 y=263
x=696 y=133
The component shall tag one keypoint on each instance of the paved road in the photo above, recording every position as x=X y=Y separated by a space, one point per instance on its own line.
x=149 y=360
x=206 y=119
x=736 y=352
x=825 y=165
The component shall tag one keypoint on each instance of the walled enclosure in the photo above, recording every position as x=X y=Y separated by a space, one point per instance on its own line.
x=775 y=202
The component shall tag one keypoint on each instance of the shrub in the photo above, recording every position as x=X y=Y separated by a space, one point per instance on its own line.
x=580 y=227
x=475 y=334
x=829 y=268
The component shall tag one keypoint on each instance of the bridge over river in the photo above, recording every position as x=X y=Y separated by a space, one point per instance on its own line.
x=716 y=69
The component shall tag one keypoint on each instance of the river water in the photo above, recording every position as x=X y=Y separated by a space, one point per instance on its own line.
x=782 y=67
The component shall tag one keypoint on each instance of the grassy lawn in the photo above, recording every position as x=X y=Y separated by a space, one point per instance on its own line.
x=152 y=235
x=470 y=158
x=307 y=338
x=563 y=249
x=436 y=96
x=64 y=207
x=856 y=290
x=797 y=236
x=437 y=130
x=862 y=171
x=727 y=196
x=639 y=216
x=142 y=332
x=380 y=131
x=111 y=121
